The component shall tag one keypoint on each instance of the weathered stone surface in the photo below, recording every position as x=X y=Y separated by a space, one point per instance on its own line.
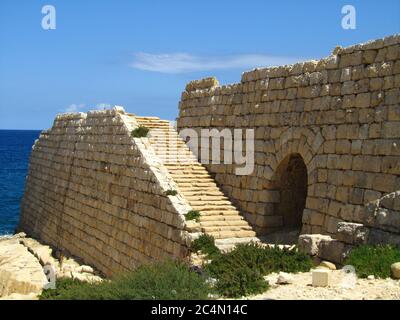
x=42 y=252
x=377 y=236
x=321 y=277
x=284 y=278
x=20 y=271
x=352 y=233
x=310 y=243
x=331 y=250
x=339 y=114
x=19 y=296
x=395 y=270
x=327 y=265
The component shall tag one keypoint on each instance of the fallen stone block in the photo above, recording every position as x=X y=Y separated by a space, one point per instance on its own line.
x=395 y=269
x=20 y=271
x=321 y=277
x=284 y=278
x=331 y=250
x=85 y=269
x=352 y=233
x=309 y=243
x=327 y=265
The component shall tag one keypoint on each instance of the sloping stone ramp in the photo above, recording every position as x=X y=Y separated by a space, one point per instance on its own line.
x=219 y=217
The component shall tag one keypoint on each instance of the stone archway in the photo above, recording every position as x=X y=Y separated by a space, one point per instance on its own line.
x=291 y=181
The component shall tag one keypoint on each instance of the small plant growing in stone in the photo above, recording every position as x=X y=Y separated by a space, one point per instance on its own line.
x=140 y=132
x=206 y=244
x=171 y=192
x=193 y=215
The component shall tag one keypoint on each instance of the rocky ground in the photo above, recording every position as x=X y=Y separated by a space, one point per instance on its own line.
x=26 y=266
x=23 y=262
x=300 y=288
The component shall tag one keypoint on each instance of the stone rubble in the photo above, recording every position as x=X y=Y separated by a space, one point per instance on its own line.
x=395 y=269
x=22 y=262
x=284 y=278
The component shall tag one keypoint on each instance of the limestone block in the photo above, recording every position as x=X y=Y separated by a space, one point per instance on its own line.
x=395 y=270
x=377 y=237
x=321 y=277
x=20 y=271
x=363 y=100
x=352 y=233
x=309 y=243
x=285 y=278
x=387 y=219
x=327 y=265
x=331 y=250
x=332 y=62
x=369 y=56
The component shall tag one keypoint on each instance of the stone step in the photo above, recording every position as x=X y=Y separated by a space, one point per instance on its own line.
x=214 y=203
x=222 y=223
x=206 y=209
x=206 y=198
x=212 y=207
x=177 y=156
x=179 y=175
x=228 y=244
x=219 y=217
x=201 y=193
x=226 y=228
x=232 y=234
x=183 y=169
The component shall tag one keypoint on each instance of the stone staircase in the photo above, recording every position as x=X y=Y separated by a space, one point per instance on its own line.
x=219 y=217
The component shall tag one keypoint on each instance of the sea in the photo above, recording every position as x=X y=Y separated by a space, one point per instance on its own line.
x=15 y=149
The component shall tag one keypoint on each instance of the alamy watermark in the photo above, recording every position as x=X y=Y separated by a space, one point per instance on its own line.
x=208 y=146
x=349 y=18
x=49 y=20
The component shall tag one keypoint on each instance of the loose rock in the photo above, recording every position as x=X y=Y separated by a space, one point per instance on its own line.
x=327 y=265
x=395 y=268
x=284 y=278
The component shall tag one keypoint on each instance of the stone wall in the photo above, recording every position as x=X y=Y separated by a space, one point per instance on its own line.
x=341 y=115
x=97 y=193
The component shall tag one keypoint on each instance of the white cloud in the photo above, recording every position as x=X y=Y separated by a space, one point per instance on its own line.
x=185 y=62
x=75 y=107
x=82 y=107
x=103 y=106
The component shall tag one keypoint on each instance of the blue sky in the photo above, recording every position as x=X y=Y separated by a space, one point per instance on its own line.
x=140 y=54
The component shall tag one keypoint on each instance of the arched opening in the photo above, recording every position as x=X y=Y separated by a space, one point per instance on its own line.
x=289 y=185
x=291 y=181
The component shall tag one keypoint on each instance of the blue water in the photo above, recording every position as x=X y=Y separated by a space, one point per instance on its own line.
x=15 y=149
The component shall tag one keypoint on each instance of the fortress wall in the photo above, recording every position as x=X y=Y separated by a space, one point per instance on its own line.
x=341 y=114
x=98 y=194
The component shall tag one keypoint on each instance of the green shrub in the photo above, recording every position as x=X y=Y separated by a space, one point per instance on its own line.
x=63 y=285
x=193 y=215
x=206 y=244
x=162 y=281
x=373 y=260
x=240 y=271
x=171 y=192
x=240 y=280
x=140 y=132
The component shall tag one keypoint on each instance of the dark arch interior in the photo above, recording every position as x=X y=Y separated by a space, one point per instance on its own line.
x=292 y=186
